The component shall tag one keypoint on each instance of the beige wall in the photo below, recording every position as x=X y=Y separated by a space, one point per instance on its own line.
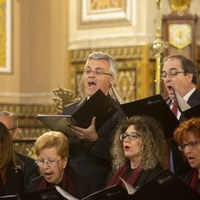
x=44 y=31
x=39 y=47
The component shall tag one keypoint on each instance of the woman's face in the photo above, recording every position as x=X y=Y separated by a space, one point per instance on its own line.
x=132 y=144
x=191 y=149
x=51 y=165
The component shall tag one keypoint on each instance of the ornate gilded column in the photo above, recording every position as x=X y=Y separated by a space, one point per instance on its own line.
x=158 y=46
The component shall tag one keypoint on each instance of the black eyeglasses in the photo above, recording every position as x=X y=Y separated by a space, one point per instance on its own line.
x=172 y=73
x=97 y=71
x=131 y=136
x=192 y=145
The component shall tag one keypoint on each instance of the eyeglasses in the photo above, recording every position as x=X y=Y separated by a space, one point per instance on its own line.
x=11 y=129
x=41 y=163
x=97 y=71
x=172 y=73
x=192 y=145
x=131 y=136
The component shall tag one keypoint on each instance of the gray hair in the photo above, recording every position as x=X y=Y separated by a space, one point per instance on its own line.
x=104 y=56
x=12 y=116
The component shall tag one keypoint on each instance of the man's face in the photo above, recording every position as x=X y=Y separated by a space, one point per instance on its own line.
x=94 y=81
x=7 y=121
x=181 y=82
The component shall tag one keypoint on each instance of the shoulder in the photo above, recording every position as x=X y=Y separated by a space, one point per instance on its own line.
x=187 y=177
x=196 y=94
x=25 y=158
x=151 y=173
x=194 y=98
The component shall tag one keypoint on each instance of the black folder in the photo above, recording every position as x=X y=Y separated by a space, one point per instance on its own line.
x=156 y=107
x=115 y=192
x=166 y=186
x=192 y=112
x=45 y=194
x=98 y=105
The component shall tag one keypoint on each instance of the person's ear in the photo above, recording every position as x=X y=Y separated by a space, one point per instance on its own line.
x=65 y=163
x=111 y=80
x=190 y=77
x=15 y=133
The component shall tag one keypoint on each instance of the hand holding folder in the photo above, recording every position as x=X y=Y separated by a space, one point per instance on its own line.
x=98 y=105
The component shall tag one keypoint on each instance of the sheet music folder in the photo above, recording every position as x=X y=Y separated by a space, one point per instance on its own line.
x=115 y=192
x=98 y=105
x=156 y=107
x=166 y=186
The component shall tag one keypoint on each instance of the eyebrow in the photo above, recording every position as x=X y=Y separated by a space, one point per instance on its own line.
x=91 y=67
x=171 y=69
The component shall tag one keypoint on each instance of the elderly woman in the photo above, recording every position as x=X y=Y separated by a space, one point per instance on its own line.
x=11 y=176
x=187 y=135
x=138 y=151
x=52 y=151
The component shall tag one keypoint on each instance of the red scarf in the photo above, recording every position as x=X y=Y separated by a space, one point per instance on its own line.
x=194 y=181
x=123 y=173
x=66 y=184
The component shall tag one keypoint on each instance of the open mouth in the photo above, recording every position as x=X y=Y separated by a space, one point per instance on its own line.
x=91 y=84
x=48 y=175
x=126 y=147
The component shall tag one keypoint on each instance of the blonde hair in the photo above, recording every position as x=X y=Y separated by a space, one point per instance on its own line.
x=53 y=139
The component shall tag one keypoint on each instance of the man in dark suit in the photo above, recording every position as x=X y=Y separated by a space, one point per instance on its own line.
x=26 y=163
x=180 y=74
x=90 y=148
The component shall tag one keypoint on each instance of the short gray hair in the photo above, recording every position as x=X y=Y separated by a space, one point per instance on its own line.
x=104 y=56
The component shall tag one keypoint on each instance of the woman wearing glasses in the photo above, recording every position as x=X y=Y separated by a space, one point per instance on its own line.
x=138 y=151
x=187 y=135
x=52 y=151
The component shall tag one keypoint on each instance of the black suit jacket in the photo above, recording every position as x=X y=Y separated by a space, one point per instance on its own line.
x=181 y=166
x=14 y=182
x=29 y=168
x=93 y=159
x=192 y=101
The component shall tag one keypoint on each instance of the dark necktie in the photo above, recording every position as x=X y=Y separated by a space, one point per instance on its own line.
x=175 y=108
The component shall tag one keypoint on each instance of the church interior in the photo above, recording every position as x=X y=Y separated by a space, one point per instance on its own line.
x=44 y=46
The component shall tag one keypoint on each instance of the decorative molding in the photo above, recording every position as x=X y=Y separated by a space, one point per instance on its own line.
x=104 y=13
x=132 y=52
x=5 y=36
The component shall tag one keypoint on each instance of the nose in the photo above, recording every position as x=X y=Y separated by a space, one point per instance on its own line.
x=45 y=165
x=186 y=149
x=92 y=73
